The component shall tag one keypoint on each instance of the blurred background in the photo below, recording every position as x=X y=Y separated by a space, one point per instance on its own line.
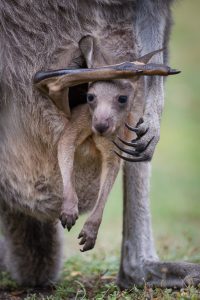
x=175 y=182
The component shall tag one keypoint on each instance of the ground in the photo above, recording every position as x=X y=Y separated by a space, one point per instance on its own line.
x=175 y=191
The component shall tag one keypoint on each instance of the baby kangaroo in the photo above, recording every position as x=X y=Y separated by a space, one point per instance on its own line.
x=92 y=128
x=86 y=155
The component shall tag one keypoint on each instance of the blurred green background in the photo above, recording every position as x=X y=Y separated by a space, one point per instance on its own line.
x=175 y=183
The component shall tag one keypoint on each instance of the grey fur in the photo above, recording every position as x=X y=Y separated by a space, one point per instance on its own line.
x=36 y=35
x=139 y=261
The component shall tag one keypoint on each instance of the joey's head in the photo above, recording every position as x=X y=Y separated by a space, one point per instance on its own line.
x=109 y=103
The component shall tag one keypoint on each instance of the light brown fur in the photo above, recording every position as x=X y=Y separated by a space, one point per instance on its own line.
x=81 y=140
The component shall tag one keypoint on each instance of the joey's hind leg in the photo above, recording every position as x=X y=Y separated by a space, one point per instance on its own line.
x=110 y=168
x=75 y=132
x=33 y=249
x=69 y=210
x=66 y=149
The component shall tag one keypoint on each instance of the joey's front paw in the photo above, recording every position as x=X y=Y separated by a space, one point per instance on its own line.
x=88 y=236
x=142 y=148
x=68 y=217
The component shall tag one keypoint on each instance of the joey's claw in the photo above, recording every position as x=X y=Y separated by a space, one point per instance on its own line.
x=82 y=241
x=68 y=219
x=88 y=238
x=80 y=235
x=88 y=246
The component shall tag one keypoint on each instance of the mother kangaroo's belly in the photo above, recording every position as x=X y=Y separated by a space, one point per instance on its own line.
x=87 y=171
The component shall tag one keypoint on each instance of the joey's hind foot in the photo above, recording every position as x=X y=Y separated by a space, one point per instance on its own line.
x=88 y=236
x=68 y=218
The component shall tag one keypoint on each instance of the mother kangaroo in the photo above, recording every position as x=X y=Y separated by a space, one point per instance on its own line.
x=40 y=35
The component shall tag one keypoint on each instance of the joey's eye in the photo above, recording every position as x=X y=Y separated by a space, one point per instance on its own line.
x=122 y=99
x=90 y=97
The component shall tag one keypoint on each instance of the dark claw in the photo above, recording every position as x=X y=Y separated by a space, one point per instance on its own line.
x=63 y=223
x=173 y=72
x=125 y=143
x=68 y=221
x=80 y=235
x=88 y=246
x=83 y=240
x=135 y=129
x=140 y=122
x=136 y=159
x=139 y=149
x=83 y=250
x=126 y=150
x=139 y=135
x=143 y=148
x=87 y=242
x=69 y=226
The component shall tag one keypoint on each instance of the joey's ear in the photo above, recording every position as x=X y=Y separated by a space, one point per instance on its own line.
x=86 y=45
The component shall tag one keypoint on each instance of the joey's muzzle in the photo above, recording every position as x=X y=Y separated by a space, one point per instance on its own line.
x=101 y=128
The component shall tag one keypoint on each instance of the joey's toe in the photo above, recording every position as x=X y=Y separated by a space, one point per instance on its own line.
x=87 y=240
x=68 y=219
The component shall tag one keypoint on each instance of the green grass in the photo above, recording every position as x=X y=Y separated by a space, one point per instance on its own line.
x=94 y=278
x=175 y=189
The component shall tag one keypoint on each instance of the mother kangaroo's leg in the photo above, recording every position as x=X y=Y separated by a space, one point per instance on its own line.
x=139 y=262
x=137 y=245
x=33 y=248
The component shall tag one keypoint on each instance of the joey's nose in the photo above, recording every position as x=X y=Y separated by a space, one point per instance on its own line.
x=101 y=127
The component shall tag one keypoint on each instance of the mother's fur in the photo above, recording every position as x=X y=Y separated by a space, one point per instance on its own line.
x=37 y=35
